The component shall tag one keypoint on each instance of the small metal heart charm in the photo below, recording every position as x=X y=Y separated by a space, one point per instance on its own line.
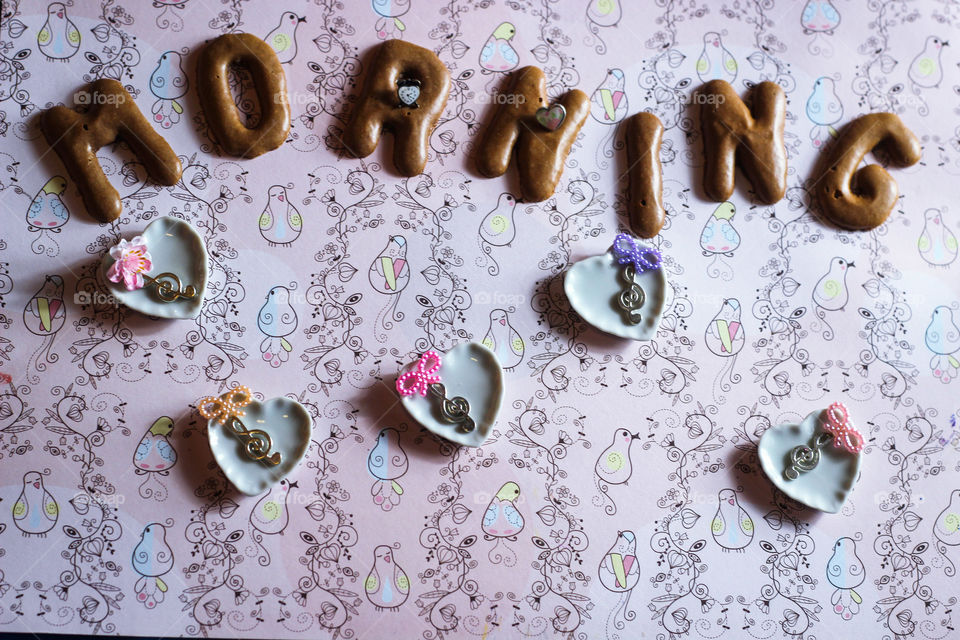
x=551 y=117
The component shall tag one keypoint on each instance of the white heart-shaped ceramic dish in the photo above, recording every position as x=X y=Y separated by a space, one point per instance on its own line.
x=826 y=486
x=593 y=286
x=471 y=371
x=286 y=421
x=175 y=247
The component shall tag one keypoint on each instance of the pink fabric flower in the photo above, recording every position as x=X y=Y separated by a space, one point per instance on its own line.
x=130 y=260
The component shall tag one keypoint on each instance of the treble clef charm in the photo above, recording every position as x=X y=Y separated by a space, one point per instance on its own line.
x=227 y=410
x=455 y=410
x=805 y=458
x=256 y=442
x=169 y=287
x=631 y=297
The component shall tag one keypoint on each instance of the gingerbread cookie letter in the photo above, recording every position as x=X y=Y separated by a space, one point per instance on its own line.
x=257 y=57
x=645 y=199
x=542 y=133
x=862 y=199
x=729 y=124
x=404 y=92
x=113 y=115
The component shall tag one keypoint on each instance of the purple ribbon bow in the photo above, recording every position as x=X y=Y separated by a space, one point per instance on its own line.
x=628 y=251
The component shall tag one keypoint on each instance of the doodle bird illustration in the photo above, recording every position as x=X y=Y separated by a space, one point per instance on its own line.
x=947 y=525
x=35 y=512
x=715 y=62
x=152 y=558
x=280 y=222
x=604 y=13
x=614 y=465
x=47 y=210
x=45 y=314
x=276 y=320
x=503 y=340
x=283 y=38
x=497 y=227
x=943 y=339
x=59 y=38
x=387 y=463
x=389 y=272
x=498 y=54
x=386 y=586
x=830 y=293
x=724 y=335
x=154 y=451
x=619 y=570
x=732 y=527
x=168 y=83
x=270 y=515
x=926 y=70
x=502 y=519
x=937 y=244
x=819 y=16
x=718 y=235
x=390 y=11
x=845 y=571
x=609 y=101
x=824 y=110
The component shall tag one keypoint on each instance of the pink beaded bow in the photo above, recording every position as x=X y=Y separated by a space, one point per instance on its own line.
x=419 y=378
x=845 y=435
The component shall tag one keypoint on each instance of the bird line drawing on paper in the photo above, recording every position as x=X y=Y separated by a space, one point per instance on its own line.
x=613 y=467
x=154 y=457
x=502 y=522
x=942 y=337
x=44 y=316
x=387 y=585
x=504 y=340
x=819 y=18
x=152 y=559
x=46 y=215
x=732 y=527
x=497 y=229
x=720 y=239
x=169 y=83
x=831 y=293
x=35 y=511
x=276 y=320
x=269 y=517
x=619 y=572
x=389 y=274
x=387 y=463
x=845 y=571
x=724 y=337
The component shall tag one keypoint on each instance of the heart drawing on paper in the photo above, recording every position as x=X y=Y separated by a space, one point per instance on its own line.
x=468 y=370
x=824 y=487
x=176 y=248
x=551 y=117
x=287 y=423
x=593 y=286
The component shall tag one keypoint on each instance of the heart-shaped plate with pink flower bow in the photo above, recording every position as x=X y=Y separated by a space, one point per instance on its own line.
x=162 y=272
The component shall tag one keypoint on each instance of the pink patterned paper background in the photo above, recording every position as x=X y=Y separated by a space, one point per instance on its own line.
x=708 y=549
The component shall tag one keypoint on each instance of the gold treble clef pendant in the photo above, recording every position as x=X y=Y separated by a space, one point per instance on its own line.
x=169 y=287
x=256 y=442
x=631 y=297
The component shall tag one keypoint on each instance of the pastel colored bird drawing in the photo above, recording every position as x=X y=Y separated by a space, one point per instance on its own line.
x=718 y=235
x=389 y=272
x=498 y=54
x=503 y=340
x=604 y=13
x=497 y=227
x=926 y=70
x=819 y=16
x=502 y=519
x=830 y=293
x=390 y=25
x=732 y=527
x=59 y=38
x=609 y=101
x=614 y=465
x=277 y=319
x=168 y=83
x=715 y=62
x=386 y=586
x=724 y=335
x=283 y=37
x=937 y=244
x=619 y=570
x=45 y=313
x=35 y=512
x=845 y=571
x=824 y=110
x=152 y=558
x=946 y=527
x=943 y=339
x=46 y=210
x=154 y=451
x=280 y=223
x=387 y=463
x=270 y=515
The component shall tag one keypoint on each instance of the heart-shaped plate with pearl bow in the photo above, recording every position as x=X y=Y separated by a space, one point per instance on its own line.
x=826 y=486
x=593 y=286
x=175 y=248
x=286 y=421
x=470 y=371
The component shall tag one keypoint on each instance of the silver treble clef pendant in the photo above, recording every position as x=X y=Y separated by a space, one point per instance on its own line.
x=455 y=410
x=804 y=457
x=631 y=297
